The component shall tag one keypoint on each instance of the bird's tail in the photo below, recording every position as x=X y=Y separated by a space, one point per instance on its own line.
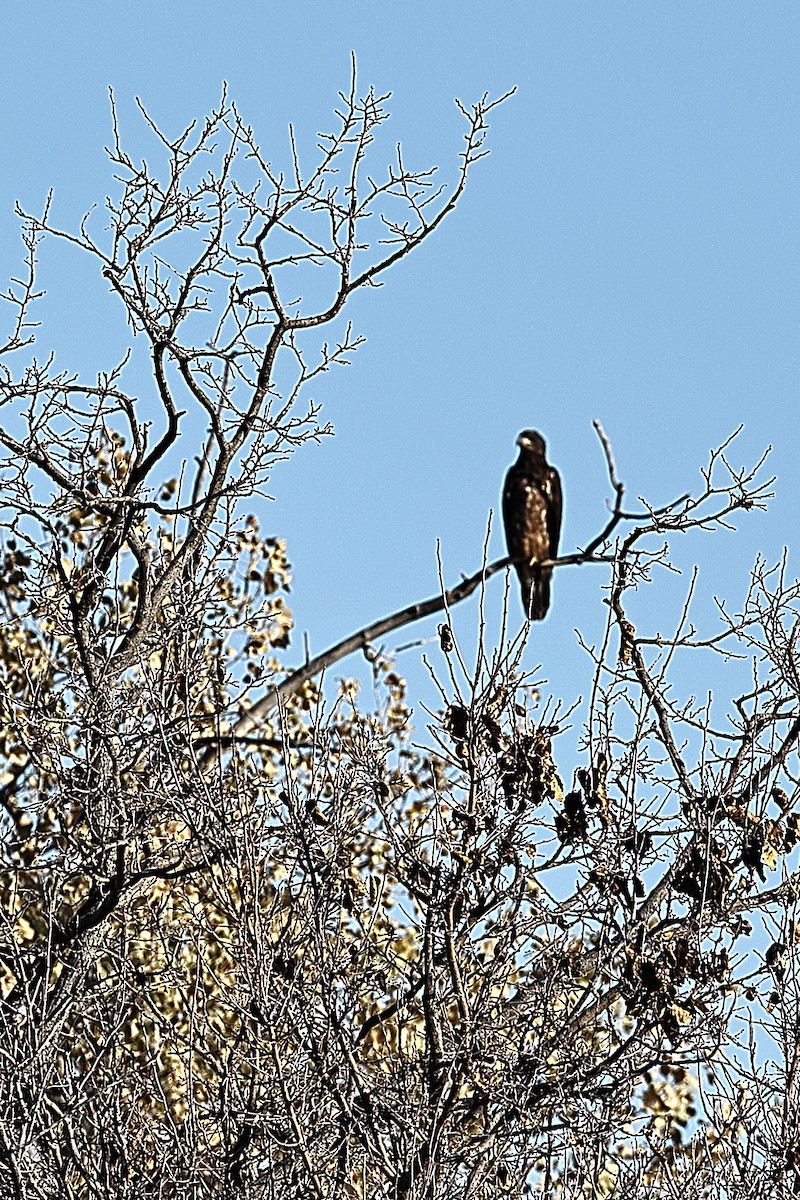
x=536 y=595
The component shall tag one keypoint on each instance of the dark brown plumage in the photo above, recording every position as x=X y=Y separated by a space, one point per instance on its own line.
x=532 y=517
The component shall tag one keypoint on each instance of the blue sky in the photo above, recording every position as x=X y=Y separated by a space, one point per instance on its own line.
x=630 y=251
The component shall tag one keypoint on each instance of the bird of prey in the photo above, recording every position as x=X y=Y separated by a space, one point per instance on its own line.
x=532 y=517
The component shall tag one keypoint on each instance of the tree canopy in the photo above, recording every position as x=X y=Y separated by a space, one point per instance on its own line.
x=263 y=939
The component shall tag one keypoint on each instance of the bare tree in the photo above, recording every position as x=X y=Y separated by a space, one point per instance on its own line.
x=258 y=943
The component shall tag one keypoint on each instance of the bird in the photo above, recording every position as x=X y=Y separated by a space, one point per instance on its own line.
x=532 y=518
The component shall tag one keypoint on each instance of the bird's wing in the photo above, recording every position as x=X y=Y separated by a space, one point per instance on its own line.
x=513 y=503
x=554 y=506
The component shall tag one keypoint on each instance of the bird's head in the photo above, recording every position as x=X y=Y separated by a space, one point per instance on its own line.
x=531 y=442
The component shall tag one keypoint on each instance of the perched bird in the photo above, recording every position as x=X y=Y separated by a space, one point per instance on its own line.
x=532 y=517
